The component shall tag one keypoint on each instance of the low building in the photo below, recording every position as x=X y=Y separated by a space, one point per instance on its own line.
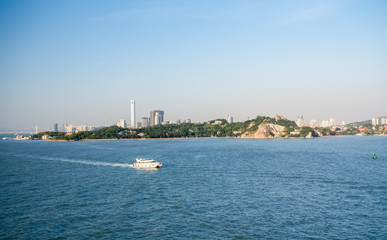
x=21 y=137
x=46 y=137
x=295 y=132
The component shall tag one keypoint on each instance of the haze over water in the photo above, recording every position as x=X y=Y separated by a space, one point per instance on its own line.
x=326 y=188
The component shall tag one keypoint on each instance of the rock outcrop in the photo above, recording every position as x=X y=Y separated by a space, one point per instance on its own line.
x=309 y=135
x=266 y=130
x=278 y=117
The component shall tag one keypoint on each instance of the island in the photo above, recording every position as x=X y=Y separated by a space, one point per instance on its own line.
x=259 y=127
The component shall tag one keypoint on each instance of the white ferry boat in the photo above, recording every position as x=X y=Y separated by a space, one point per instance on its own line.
x=146 y=163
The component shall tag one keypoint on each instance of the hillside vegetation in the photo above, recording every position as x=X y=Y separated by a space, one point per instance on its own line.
x=214 y=128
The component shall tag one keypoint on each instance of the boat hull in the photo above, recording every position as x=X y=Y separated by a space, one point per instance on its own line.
x=147 y=165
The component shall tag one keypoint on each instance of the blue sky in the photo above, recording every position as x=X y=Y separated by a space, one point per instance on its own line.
x=82 y=62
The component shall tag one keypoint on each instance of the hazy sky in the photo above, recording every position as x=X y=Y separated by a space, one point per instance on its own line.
x=82 y=62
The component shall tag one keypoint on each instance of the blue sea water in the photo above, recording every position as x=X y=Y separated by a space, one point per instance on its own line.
x=324 y=188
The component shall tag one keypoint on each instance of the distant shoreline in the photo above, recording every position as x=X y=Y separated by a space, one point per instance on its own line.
x=139 y=139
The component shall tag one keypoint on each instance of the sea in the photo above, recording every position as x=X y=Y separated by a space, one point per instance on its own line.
x=322 y=188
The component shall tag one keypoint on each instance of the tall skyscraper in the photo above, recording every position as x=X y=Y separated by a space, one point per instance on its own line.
x=55 y=127
x=153 y=117
x=133 y=114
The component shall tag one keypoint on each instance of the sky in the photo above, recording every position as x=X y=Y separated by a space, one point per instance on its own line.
x=81 y=62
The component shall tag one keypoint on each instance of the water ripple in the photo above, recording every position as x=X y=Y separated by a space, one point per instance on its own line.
x=207 y=189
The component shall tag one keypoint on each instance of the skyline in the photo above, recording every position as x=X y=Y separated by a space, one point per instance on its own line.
x=82 y=62
x=110 y=122
x=153 y=114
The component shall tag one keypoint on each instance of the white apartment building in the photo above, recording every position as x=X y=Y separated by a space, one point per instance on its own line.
x=230 y=119
x=122 y=123
x=375 y=121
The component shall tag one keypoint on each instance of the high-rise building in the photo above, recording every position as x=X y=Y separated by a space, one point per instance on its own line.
x=300 y=121
x=145 y=122
x=139 y=125
x=383 y=120
x=70 y=128
x=80 y=128
x=55 y=127
x=230 y=119
x=122 y=123
x=152 y=118
x=375 y=121
x=133 y=114
x=157 y=119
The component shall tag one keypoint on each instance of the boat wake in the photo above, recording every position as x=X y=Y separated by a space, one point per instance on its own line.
x=95 y=163
x=87 y=162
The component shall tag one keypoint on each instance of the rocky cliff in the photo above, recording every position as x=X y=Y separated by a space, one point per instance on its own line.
x=266 y=130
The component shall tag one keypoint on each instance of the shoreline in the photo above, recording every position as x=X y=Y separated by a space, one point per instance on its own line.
x=143 y=139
